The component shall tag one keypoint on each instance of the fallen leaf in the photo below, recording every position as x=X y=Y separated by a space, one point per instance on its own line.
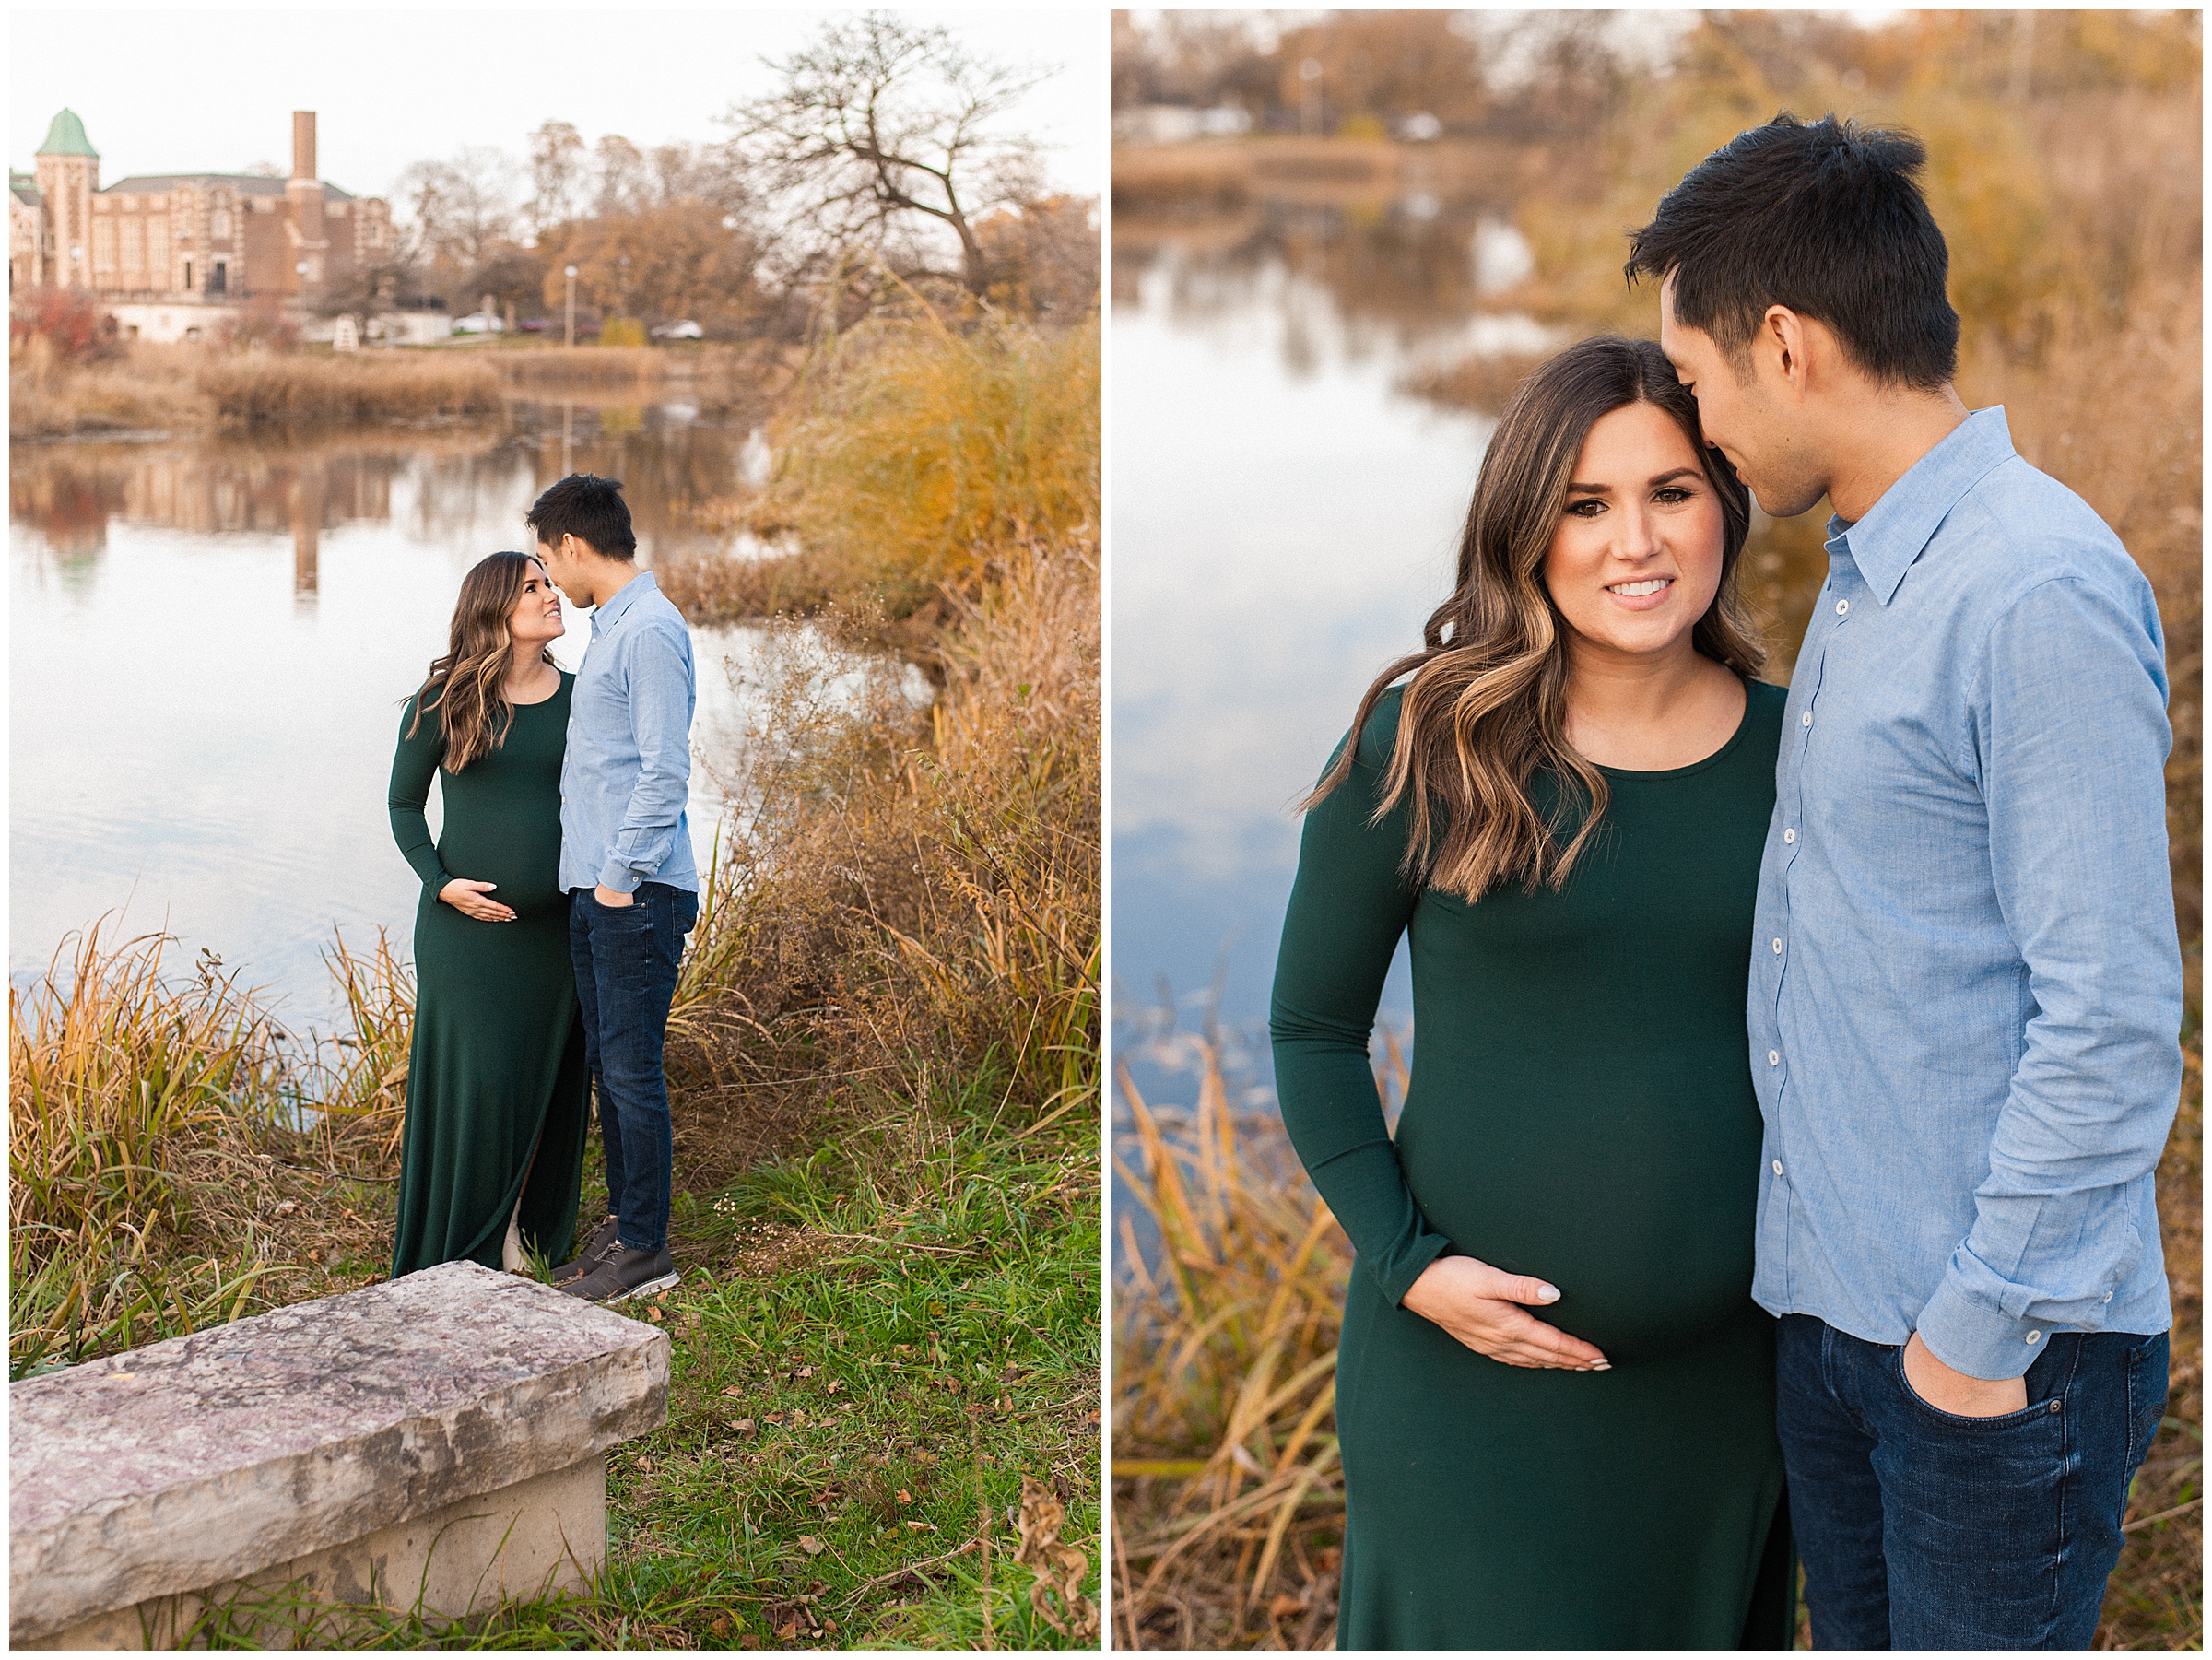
x=810 y=1545
x=1285 y=1606
x=921 y=1527
x=732 y=1389
x=775 y=1418
x=654 y=1314
x=905 y=1497
x=744 y=1425
x=805 y=1372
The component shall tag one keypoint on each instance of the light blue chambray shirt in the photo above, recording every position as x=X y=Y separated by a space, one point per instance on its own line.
x=1966 y=989
x=627 y=774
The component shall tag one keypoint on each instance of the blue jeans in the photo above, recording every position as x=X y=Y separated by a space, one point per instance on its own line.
x=626 y=959
x=1919 y=1529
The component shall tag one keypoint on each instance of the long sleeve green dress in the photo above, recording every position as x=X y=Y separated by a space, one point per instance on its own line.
x=497 y=1083
x=1579 y=1109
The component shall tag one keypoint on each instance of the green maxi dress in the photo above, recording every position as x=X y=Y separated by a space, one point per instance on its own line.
x=497 y=1081
x=1579 y=1109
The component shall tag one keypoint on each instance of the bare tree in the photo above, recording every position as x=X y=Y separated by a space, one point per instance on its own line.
x=458 y=209
x=556 y=175
x=625 y=182
x=882 y=125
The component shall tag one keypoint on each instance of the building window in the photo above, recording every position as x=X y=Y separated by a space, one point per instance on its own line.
x=188 y=276
x=220 y=281
x=103 y=245
x=218 y=223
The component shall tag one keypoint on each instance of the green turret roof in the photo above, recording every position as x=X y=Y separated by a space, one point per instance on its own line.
x=67 y=137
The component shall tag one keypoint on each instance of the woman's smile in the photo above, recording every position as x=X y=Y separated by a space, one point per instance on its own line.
x=1644 y=594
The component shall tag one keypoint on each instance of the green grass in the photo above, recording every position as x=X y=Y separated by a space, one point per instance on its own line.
x=874 y=1341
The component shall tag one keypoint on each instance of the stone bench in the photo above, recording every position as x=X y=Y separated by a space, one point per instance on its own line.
x=438 y=1442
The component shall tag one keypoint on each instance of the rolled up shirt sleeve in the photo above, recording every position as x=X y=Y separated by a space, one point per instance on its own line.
x=2073 y=735
x=659 y=665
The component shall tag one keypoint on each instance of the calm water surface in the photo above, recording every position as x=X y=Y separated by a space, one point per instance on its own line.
x=1285 y=518
x=210 y=643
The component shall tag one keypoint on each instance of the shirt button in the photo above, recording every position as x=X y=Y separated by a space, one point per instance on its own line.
x=1842 y=607
x=1789 y=835
x=1806 y=719
x=2107 y=1297
x=1774 y=1059
x=1778 y=947
x=1777 y=1167
x=2033 y=1335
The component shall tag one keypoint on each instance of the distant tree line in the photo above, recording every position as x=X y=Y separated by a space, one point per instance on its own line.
x=1562 y=75
x=883 y=152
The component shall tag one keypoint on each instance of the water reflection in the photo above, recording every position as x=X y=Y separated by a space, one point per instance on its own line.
x=211 y=639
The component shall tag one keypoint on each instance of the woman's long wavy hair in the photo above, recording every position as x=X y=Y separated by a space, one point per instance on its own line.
x=468 y=685
x=1487 y=707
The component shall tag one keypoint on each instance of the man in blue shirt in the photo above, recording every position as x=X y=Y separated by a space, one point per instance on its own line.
x=626 y=864
x=1966 y=988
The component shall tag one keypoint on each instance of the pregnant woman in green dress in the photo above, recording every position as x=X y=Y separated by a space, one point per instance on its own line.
x=1562 y=810
x=492 y=1160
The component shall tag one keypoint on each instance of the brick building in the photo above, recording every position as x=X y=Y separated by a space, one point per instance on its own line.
x=207 y=239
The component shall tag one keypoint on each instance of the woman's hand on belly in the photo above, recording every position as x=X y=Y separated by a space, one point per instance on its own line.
x=467 y=898
x=1481 y=1307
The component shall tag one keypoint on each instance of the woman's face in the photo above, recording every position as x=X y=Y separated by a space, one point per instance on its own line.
x=535 y=619
x=1636 y=557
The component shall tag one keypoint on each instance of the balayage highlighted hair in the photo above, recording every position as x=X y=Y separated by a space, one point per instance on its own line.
x=468 y=685
x=1487 y=707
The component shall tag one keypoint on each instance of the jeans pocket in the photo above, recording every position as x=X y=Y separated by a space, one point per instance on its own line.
x=2033 y=1412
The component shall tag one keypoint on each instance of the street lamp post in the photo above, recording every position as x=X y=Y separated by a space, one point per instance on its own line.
x=570 y=271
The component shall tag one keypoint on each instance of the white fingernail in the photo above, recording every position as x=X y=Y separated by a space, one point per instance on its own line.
x=1547 y=1293
x=1601 y=1366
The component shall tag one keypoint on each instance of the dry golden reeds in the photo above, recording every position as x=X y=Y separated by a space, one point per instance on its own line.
x=170 y=1146
x=922 y=447
x=1224 y=1435
x=353 y=386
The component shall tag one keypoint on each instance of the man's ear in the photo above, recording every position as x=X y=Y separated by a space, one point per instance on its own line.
x=1781 y=341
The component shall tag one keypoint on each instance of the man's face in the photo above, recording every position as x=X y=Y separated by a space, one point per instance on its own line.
x=1743 y=414
x=567 y=572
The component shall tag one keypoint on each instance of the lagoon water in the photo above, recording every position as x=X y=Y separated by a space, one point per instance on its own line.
x=210 y=644
x=1285 y=518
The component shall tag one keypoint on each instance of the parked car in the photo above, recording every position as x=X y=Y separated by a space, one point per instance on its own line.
x=480 y=323
x=533 y=325
x=685 y=330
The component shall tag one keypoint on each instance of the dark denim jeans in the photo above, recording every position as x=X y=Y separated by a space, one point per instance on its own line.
x=625 y=961
x=1919 y=1529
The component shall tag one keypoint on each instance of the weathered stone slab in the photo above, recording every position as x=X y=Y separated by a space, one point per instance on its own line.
x=215 y=1457
x=544 y=1535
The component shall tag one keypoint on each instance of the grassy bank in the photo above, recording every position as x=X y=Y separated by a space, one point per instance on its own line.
x=884 y=1071
x=190 y=388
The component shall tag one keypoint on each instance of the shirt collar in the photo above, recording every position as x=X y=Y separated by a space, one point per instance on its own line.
x=1885 y=543
x=610 y=612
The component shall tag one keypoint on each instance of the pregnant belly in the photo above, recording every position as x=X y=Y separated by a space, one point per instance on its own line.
x=526 y=869
x=1629 y=1186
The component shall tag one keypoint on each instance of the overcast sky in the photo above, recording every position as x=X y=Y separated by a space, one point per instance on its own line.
x=183 y=90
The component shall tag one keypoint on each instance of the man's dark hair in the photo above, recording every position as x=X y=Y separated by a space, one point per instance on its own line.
x=1826 y=219
x=589 y=507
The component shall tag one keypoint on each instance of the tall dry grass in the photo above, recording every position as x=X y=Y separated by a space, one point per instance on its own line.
x=176 y=1159
x=919 y=448
x=143 y=388
x=351 y=386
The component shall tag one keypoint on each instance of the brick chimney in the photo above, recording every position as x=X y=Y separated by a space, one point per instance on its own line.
x=304 y=144
x=303 y=196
